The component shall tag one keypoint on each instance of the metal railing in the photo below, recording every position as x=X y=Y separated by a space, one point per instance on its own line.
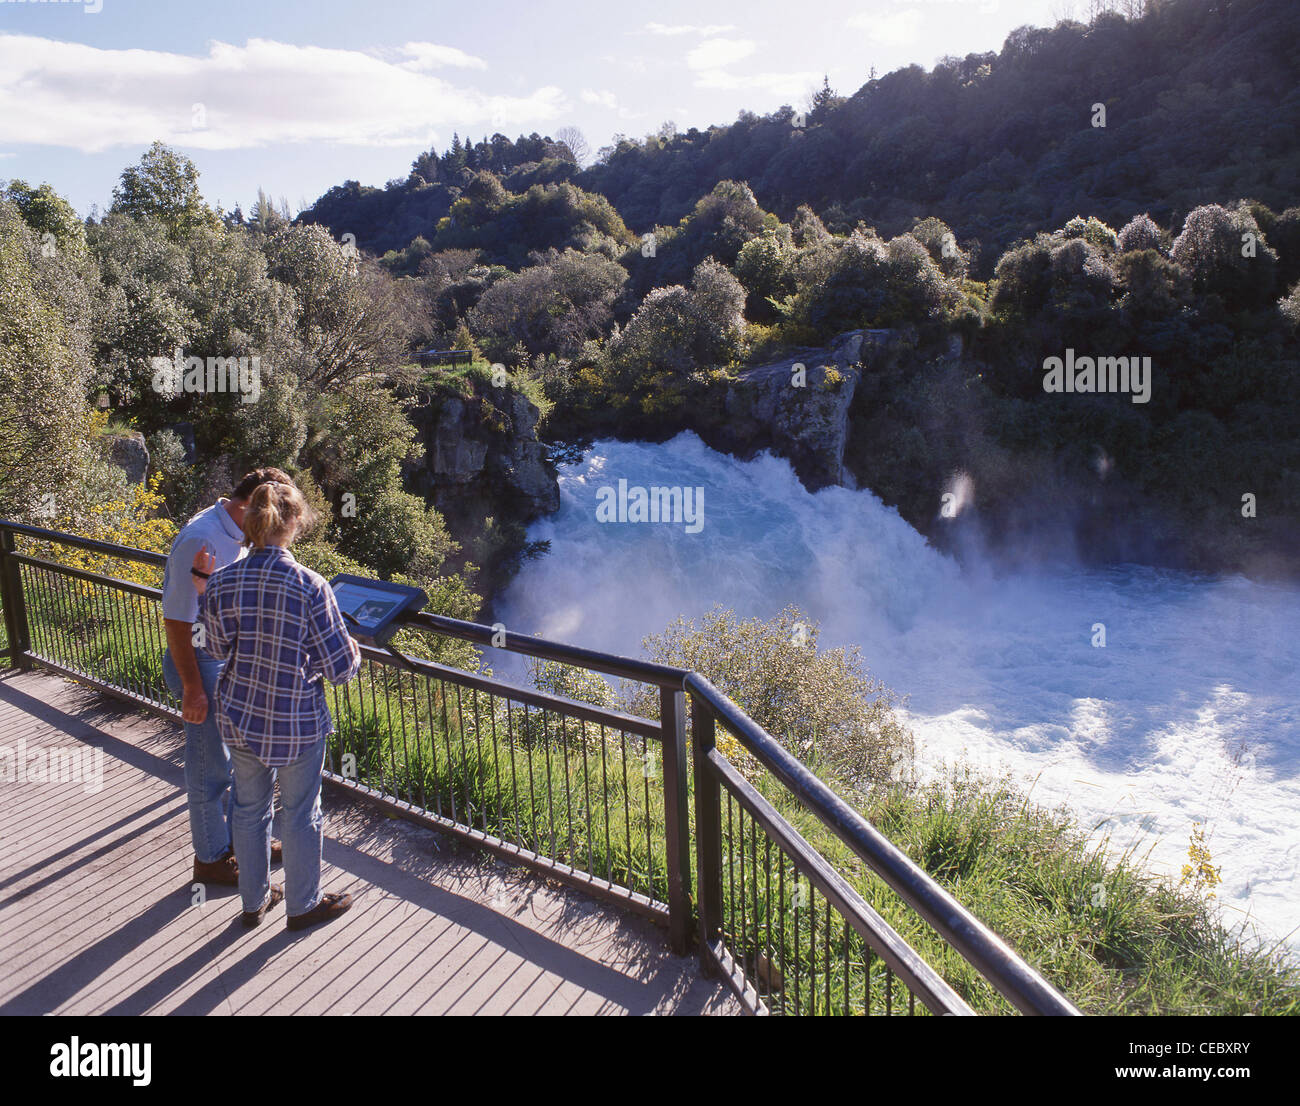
x=610 y=802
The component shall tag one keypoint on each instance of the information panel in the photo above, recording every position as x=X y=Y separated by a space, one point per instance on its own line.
x=372 y=607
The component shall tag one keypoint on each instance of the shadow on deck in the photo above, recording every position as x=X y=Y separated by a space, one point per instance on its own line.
x=98 y=912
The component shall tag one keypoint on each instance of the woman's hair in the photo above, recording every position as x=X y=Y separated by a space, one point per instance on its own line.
x=256 y=478
x=277 y=513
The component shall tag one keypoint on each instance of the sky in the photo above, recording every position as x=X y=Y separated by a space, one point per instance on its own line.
x=295 y=97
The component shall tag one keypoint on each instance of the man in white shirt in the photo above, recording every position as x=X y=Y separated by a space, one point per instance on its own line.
x=191 y=673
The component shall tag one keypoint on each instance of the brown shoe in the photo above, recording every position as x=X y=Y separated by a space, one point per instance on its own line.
x=223 y=870
x=329 y=908
x=254 y=917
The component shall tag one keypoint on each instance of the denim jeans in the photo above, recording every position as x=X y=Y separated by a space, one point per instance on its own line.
x=207 y=765
x=301 y=827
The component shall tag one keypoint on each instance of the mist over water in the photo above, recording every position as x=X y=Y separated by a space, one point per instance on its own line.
x=1190 y=713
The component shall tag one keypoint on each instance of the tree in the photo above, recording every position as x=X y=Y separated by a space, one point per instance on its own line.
x=677 y=331
x=763 y=266
x=352 y=319
x=45 y=435
x=824 y=100
x=822 y=705
x=551 y=307
x=1224 y=252
x=48 y=213
x=1139 y=233
x=164 y=186
x=937 y=237
x=575 y=142
x=1289 y=306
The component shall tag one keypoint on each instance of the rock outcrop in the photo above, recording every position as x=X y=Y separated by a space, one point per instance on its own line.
x=797 y=407
x=128 y=452
x=482 y=458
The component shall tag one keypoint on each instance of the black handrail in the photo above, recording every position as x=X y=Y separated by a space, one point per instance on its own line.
x=984 y=949
x=1025 y=988
x=108 y=549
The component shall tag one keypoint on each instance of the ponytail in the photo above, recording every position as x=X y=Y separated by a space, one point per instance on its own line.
x=276 y=515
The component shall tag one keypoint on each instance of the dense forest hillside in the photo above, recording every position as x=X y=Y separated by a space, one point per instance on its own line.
x=1202 y=105
x=972 y=214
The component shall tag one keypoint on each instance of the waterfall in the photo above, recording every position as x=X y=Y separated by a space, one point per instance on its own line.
x=1189 y=712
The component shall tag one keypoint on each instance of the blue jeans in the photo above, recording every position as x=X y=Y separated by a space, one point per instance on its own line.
x=207 y=764
x=301 y=827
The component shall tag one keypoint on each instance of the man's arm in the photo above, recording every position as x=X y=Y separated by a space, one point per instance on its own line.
x=180 y=643
x=180 y=637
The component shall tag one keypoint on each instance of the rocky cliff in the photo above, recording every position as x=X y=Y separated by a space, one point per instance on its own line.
x=482 y=459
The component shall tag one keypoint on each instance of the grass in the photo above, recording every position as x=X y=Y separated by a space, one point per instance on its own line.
x=1108 y=934
x=1112 y=937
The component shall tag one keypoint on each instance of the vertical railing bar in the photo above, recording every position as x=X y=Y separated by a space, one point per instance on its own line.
x=388 y=714
x=767 y=908
x=451 y=769
x=135 y=629
x=406 y=751
x=645 y=811
x=480 y=765
x=419 y=747
x=848 y=987
x=101 y=599
x=78 y=647
x=627 y=812
x=570 y=858
x=812 y=948
x=780 y=894
x=38 y=628
x=826 y=956
x=586 y=792
x=868 y=954
x=604 y=792
x=496 y=761
x=731 y=872
x=742 y=935
x=433 y=740
x=464 y=756
x=708 y=831
x=757 y=918
x=514 y=767
x=532 y=779
x=550 y=789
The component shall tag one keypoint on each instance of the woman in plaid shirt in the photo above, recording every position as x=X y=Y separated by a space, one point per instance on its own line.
x=278 y=628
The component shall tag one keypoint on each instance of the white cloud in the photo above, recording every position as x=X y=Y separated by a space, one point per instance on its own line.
x=686 y=29
x=711 y=58
x=781 y=84
x=714 y=53
x=430 y=55
x=262 y=93
x=895 y=29
x=604 y=98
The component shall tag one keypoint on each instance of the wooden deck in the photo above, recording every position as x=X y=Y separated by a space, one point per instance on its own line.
x=99 y=913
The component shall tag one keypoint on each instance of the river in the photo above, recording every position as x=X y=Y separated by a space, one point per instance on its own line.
x=1189 y=712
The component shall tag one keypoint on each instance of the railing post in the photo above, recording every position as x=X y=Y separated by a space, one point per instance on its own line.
x=11 y=593
x=708 y=833
x=672 y=719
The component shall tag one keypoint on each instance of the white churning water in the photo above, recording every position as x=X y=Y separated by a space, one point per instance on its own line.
x=1190 y=713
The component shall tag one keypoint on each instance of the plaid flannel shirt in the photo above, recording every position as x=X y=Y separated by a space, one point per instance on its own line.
x=277 y=626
